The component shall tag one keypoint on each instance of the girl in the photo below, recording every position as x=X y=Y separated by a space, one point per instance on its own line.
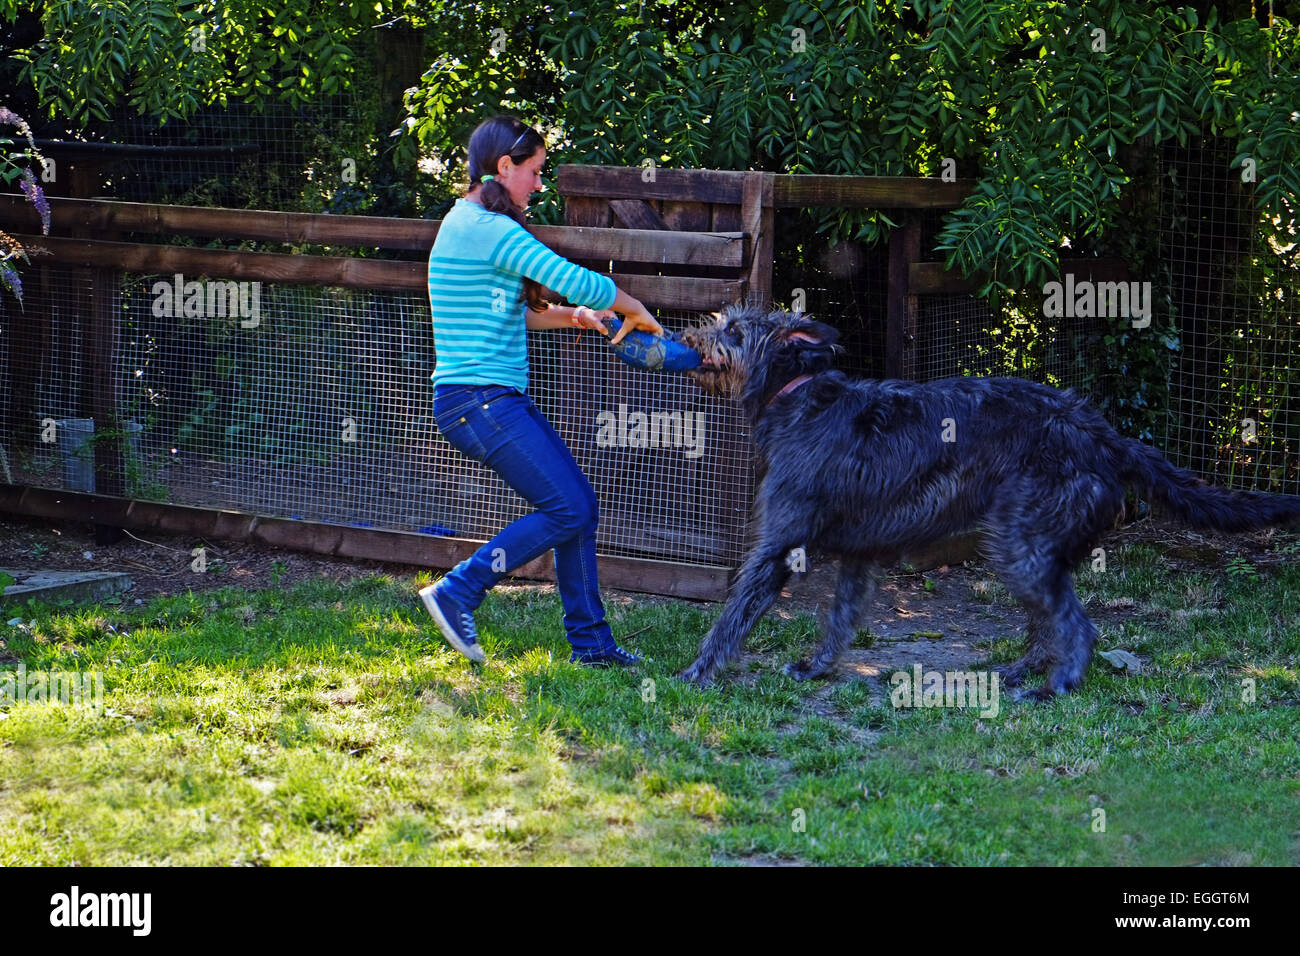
x=486 y=272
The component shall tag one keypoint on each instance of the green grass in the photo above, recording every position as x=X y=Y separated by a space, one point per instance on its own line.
x=328 y=724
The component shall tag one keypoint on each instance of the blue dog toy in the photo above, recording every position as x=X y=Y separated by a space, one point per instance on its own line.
x=653 y=352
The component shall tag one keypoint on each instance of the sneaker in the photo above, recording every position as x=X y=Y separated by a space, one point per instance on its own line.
x=613 y=655
x=455 y=622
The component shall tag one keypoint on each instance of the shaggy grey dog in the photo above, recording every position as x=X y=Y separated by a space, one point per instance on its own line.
x=868 y=471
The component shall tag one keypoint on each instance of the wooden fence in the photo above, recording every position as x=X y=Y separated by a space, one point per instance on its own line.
x=678 y=240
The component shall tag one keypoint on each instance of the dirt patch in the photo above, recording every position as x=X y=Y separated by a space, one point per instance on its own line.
x=934 y=619
x=937 y=618
x=159 y=564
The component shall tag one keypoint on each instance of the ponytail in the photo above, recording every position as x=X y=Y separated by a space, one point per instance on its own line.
x=494 y=138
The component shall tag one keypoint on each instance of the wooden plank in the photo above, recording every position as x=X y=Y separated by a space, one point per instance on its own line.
x=757 y=212
x=900 y=300
x=678 y=185
x=636 y=214
x=931 y=278
x=99 y=216
x=586 y=211
x=720 y=249
x=681 y=292
x=671 y=292
x=875 y=192
x=264 y=266
x=295 y=228
x=693 y=217
x=726 y=216
x=692 y=581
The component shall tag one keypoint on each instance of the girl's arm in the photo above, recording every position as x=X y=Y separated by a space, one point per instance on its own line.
x=581 y=317
x=555 y=317
x=523 y=254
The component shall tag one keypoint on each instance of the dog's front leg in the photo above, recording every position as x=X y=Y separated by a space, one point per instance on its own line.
x=858 y=581
x=757 y=586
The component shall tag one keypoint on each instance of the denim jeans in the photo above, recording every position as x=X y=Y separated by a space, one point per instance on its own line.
x=502 y=428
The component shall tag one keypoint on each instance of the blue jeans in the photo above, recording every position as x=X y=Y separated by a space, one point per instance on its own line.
x=502 y=428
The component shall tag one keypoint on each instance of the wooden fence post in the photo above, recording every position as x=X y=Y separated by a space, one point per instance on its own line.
x=900 y=330
x=758 y=222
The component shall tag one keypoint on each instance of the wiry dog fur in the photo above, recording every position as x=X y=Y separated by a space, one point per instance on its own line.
x=860 y=470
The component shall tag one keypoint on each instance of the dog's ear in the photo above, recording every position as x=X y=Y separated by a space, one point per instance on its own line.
x=811 y=332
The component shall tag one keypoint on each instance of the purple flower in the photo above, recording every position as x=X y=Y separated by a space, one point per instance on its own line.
x=36 y=196
x=9 y=116
x=9 y=278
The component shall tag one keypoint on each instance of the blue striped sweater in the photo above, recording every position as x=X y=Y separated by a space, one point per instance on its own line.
x=475 y=281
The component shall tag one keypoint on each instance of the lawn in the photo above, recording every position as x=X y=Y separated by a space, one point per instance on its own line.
x=329 y=724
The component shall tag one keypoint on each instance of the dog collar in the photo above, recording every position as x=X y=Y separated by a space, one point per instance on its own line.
x=790 y=386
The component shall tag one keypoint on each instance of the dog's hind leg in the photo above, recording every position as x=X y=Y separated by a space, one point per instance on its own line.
x=1075 y=636
x=1041 y=532
x=1037 y=658
x=857 y=583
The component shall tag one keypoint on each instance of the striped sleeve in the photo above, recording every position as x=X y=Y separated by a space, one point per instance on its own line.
x=521 y=253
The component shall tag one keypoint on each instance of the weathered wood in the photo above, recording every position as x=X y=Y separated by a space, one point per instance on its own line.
x=900 y=299
x=729 y=217
x=679 y=185
x=264 y=266
x=757 y=213
x=633 y=245
x=931 y=278
x=874 y=192
x=692 y=581
x=636 y=214
x=681 y=292
x=73 y=147
x=726 y=186
x=691 y=217
x=669 y=292
x=586 y=211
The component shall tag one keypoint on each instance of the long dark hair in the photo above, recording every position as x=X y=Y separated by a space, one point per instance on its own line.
x=492 y=139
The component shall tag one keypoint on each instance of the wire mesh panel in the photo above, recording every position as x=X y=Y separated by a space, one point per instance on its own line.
x=1234 y=410
x=315 y=403
x=961 y=335
x=843 y=284
x=670 y=464
x=42 y=380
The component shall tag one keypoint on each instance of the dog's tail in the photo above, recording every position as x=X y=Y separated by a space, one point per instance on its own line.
x=1198 y=504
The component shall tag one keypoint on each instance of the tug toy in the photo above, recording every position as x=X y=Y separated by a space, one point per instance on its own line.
x=654 y=353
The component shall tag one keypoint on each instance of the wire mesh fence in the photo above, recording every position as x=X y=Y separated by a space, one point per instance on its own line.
x=1234 y=413
x=316 y=404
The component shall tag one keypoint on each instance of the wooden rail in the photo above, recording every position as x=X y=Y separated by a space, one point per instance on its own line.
x=726 y=186
x=693 y=581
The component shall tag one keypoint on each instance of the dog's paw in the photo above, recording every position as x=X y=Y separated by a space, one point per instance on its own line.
x=1010 y=675
x=804 y=670
x=1035 y=694
x=697 y=674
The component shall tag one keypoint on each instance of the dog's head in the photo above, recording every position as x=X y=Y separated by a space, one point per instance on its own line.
x=744 y=348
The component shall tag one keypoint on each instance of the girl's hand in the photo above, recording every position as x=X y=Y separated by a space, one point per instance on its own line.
x=641 y=321
x=585 y=318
